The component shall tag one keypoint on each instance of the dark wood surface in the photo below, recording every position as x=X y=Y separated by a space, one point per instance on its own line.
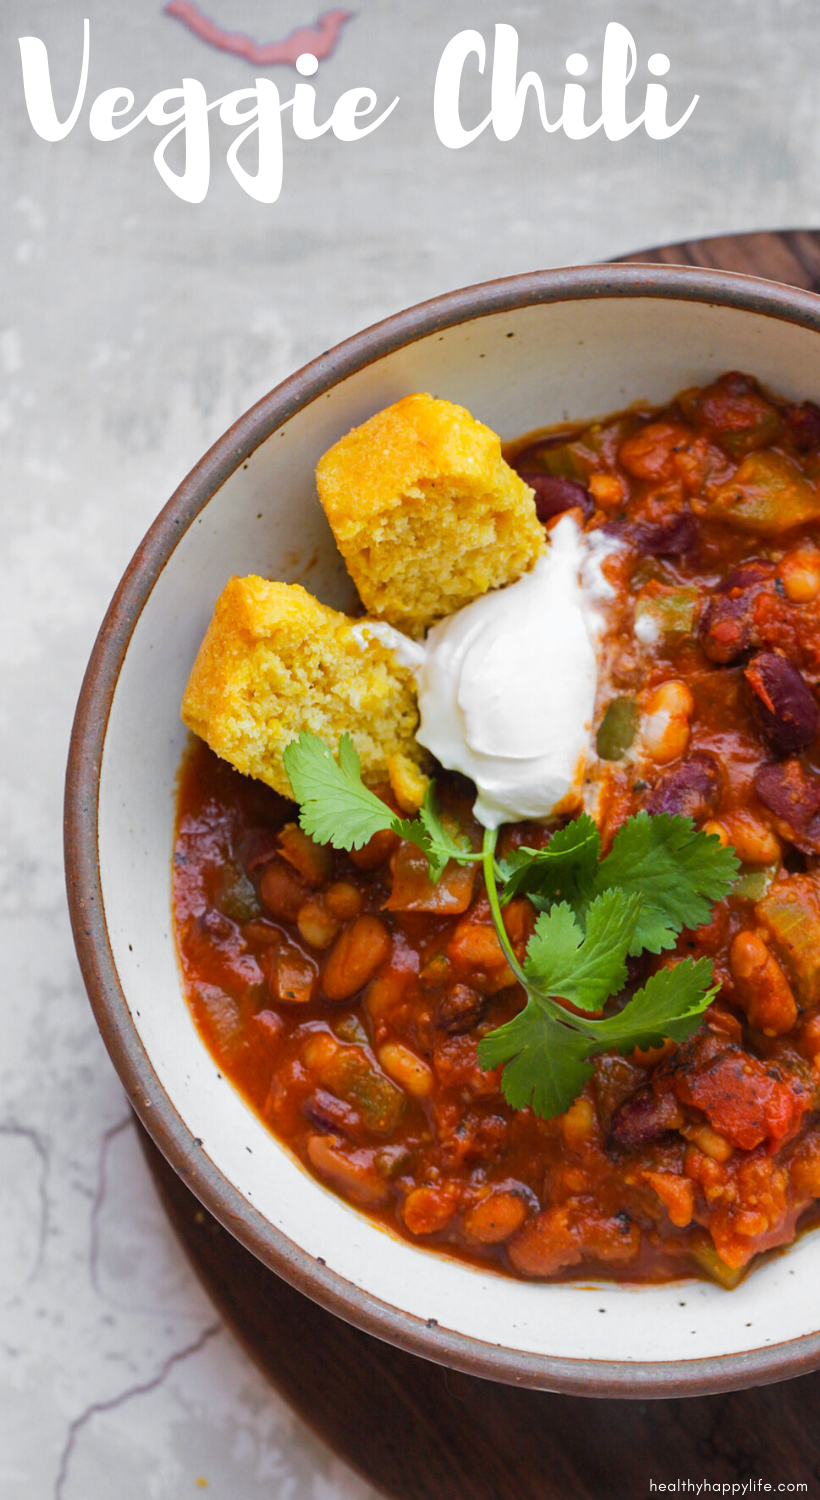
x=420 y=1432
x=791 y=256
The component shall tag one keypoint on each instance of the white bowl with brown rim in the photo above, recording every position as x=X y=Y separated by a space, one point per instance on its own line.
x=520 y=354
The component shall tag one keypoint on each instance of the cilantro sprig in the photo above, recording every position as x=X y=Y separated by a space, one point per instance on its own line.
x=660 y=876
x=336 y=807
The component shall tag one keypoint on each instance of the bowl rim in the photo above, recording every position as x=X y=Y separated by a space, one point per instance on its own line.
x=581 y=1377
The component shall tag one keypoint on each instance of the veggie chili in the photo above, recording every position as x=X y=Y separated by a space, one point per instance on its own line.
x=353 y=999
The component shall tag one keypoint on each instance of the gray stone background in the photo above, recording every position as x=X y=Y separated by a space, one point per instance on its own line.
x=133 y=329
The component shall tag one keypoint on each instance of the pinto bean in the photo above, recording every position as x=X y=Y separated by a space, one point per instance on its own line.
x=692 y=788
x=359 y=950
x=554 y=494
x=460 y=1008
x=376 y=851
x=316 y=924
x=665 y=728
x=762 y=987
x=607 y=490
x=677 y=1194
x=645 y=1117
x=793 y=795
x=579 y=1124
x=799 y=573
x=427 y=1210
x=496 y=1218
x=753 y=841
x=547 y=1244
x=406 y=1069
x=648 y=453
x=343 y=900
x=708 y=1141
x=782 y=703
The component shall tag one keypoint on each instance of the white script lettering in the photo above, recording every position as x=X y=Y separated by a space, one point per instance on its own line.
x=190 y=119
x=509 y=95
x=37 y=87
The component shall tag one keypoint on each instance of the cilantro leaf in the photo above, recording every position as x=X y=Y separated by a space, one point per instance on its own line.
x=443 y=845
x=564 y=871
x=670 y=1004
x=679 y=872
x=338 y=809
x=335 y=806
x=431 y=834
x=584 y=969
x=661 y=875
x=545 y=1064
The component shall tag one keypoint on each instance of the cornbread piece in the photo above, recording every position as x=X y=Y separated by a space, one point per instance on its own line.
x=275 y=661
x=408 y=783
x=425 y=512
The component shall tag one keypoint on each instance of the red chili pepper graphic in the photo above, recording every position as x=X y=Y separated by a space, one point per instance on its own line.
x=320 y=39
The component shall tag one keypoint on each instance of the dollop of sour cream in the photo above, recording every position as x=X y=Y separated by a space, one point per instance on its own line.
x=507 y=685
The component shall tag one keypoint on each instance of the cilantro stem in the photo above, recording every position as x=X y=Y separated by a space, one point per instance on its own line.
x=488 y=862
x=547 y=1004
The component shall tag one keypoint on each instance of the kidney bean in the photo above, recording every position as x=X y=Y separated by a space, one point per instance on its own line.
x=554 y=494
x=803 y=426
x=532 y=455
x=212 y=926
x=782 y=703
x=314 y=862
x=727 y=621
x=282 y=890
x=748 y=574
x=692 y=788
x=737 y=413
x=354 y=958
x=330 y=1113
x=460 y=1009
x=644 y=1118
x=793 y=795
x=673 y=537
x=351 y=1172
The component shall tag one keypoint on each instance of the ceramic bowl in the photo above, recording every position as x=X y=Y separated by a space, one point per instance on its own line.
x=520 y=353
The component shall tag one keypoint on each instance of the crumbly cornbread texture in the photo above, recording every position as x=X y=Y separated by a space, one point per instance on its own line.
x=275 y=661
x=425 y=512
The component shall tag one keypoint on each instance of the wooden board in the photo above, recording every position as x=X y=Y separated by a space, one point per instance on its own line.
x=420 y=1432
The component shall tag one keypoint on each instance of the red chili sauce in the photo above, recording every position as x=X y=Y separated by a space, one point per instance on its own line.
x=344 y=995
